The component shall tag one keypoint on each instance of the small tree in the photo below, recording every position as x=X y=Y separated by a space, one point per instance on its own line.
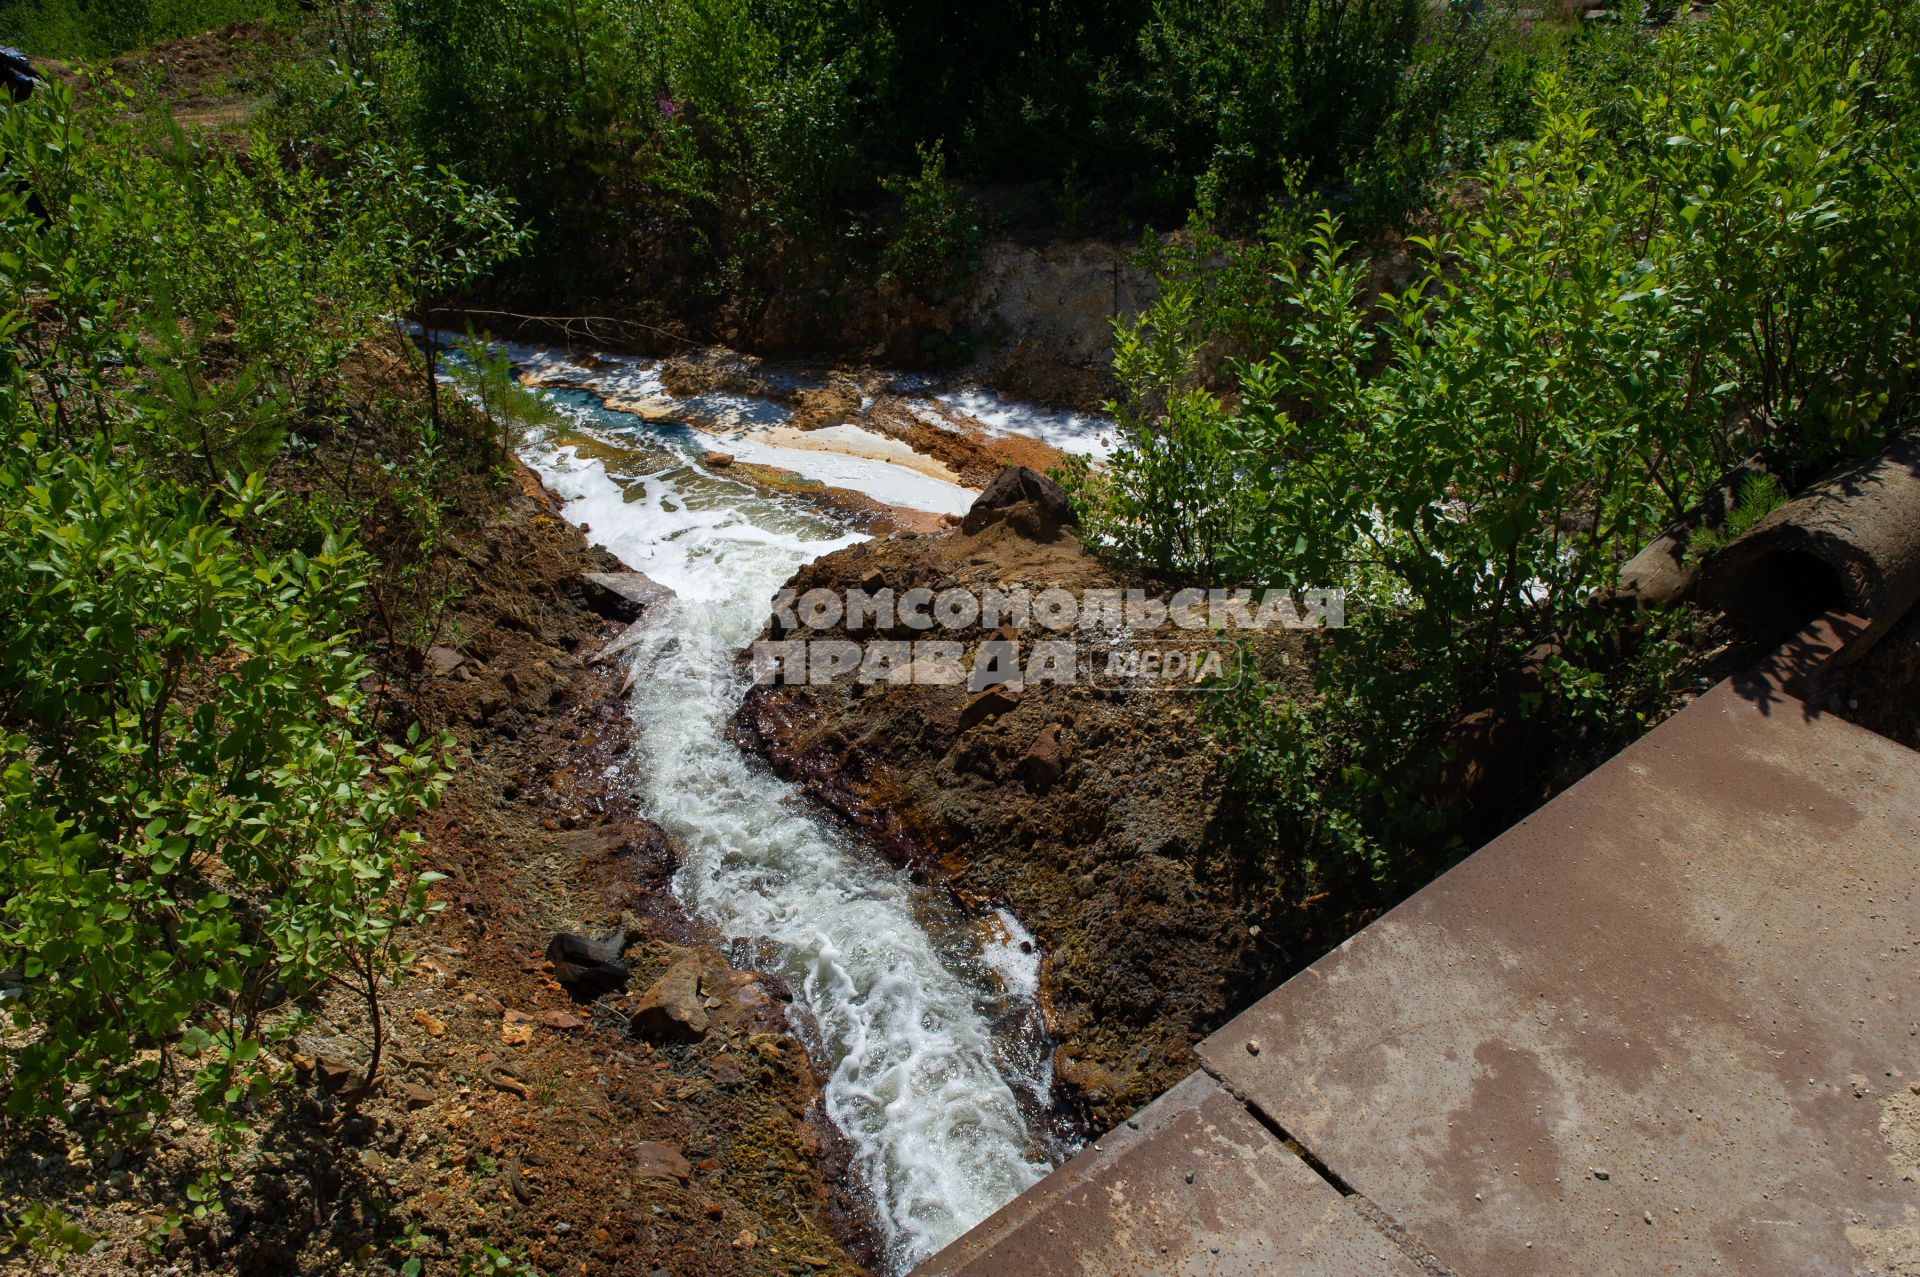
x=438 y=233
x=195 y=830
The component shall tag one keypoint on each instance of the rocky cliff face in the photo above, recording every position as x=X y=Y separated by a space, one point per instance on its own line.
x=1093 y=813
x=1043 y=316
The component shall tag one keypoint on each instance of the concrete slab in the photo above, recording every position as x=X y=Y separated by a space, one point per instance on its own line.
x=1190 y=1187
x=1668 y=1024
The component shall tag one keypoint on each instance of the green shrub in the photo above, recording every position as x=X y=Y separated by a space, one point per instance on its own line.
x=102 y=28
x=728 y=153
x=719 y=127
x=1614 y=323
x=1250 y=86
x=529 y=96
x=233 y=288
x=939 y=227
x=199 y=827
x=195 y=828
x=46 y=1230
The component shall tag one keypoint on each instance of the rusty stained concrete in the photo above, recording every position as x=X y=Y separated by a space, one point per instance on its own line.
x=1192 y=1186
x=1648 y=1030
x=1668 y=1024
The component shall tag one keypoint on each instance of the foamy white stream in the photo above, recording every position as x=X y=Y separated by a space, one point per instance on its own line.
x=944 y=1112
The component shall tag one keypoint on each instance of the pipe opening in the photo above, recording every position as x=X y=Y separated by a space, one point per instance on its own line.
x=1778 y=593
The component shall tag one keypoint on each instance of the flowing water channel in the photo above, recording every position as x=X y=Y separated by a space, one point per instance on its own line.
x=923 y=1021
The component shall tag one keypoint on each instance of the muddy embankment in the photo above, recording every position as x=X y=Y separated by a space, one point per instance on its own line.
x=667 y=1122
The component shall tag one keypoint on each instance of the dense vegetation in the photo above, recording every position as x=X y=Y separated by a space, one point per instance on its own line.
x=741 y=158
x=201 y=821
x=1462 y=310
x=1703 y=253
x=102 y=28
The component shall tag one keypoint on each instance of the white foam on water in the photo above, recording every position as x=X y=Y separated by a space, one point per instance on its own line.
x=882 y=480
x=735 y=424
x=902 y=1025
x=630 y=376
x=937 y=1132
x=655 y=527
x=638 y=377
x=1013 y=955
x=1088 y=434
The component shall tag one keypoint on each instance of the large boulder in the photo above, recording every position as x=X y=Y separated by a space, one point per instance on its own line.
x=623 y=596
x=1029 y=502
x=588 y=968
x=671 y=1008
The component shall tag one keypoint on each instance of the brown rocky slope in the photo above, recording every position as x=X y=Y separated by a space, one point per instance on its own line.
x=1094 y=813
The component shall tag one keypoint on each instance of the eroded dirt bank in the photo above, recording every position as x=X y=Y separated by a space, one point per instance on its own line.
x=1093 y=813
x=607 y=1136
x=662 y=1146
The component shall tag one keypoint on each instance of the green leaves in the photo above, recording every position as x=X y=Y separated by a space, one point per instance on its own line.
x=1616 y=317
x=939 y=227
x=197 y=828
x=197 y=752
x=47 y=1231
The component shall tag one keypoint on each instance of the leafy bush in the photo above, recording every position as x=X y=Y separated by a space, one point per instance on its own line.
x=717 y=126
x=195 y=830
x=233 y=288
x=46 y=1230
x=536 y=97
x=939 y=227
x=1251 y=86
x=728 y=153
x=197 y=306
x=198 y=825
x=1579 y=352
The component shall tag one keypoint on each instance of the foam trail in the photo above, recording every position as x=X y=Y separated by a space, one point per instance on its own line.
x=1089 y=434
x=879 y=479
x=900 y=1021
